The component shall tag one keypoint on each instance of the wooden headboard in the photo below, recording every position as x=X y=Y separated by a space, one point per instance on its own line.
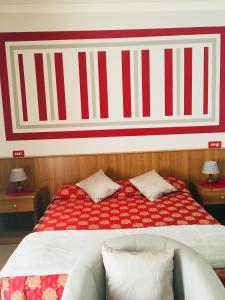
x=57 y=170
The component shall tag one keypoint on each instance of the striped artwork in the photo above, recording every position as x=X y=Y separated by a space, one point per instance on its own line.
x=104 y=86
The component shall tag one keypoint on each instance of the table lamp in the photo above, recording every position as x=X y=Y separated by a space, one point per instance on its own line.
x=17 y=176
x=211 y=169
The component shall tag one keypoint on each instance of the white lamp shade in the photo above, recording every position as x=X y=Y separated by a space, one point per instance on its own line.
x=210 y=167
x=17 y=175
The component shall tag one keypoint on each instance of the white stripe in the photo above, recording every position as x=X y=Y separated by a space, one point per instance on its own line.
x=31 y=88
x=140 y=94
x=18 y=87
x=95 y=83
x=210 y=82
x=132 y=93
x=197 y=80
x=115 y=90
x=54 y=89
x=175 y=80
x=157 y=83
x=217 y=80
x=88 y=69
x=72 y=87
x=45 y=71
x=181 y=82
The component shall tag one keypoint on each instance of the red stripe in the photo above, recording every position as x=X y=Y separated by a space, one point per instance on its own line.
x=103 y=91
x=188 y=81
x=59 y=73
x=168 y=82
x=5 y=94
x=222 y=75
x=83 y=85
x=113 y=132
x=206 y=80
x=126 y=84
x=145 y=57
x=22 y=87
x=39 y=67
x=94 y=34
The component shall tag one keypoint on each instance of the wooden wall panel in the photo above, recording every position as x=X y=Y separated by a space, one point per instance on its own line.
x=57 y=170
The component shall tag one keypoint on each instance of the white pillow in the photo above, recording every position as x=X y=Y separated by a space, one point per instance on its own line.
x=152 y=185
x=98 y=186
x=146 y=275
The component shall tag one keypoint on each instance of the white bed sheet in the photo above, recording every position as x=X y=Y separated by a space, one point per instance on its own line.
x=55 y=252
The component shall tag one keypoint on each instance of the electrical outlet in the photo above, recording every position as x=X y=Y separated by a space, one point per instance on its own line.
x=18 y=153
x=214 y=144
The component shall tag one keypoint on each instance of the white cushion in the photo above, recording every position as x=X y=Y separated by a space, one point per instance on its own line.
x=152 y=185
x=98 y=186
x=145 y=275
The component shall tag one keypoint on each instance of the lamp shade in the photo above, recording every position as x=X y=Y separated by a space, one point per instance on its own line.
x=210 y=167
x=17 y=175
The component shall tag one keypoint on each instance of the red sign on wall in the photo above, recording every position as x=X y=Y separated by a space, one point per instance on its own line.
x=215 y=144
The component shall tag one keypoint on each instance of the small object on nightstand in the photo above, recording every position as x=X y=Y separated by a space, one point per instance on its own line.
x=211 y=169
x=17 y=176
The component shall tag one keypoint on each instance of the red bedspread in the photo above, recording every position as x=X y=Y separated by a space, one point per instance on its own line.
x=127 y=208
x=123 y=211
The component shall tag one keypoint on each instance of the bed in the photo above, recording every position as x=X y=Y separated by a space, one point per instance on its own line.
x=72 y=212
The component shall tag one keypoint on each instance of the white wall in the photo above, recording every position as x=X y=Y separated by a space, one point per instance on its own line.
x=107 y=15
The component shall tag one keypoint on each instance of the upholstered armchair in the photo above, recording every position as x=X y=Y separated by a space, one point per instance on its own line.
x=193 y=277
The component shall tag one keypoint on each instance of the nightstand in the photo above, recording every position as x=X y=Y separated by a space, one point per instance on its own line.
x=15 y=212
x=213 y=199
x=210 y=195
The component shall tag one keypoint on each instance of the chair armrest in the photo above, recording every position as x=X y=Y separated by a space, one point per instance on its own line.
x=86 y=280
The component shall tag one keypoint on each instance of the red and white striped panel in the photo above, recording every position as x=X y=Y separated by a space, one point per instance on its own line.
x=165 y=81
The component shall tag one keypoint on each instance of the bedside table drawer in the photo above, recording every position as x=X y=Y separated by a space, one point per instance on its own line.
x=213 y=198
x=20 y=205
x=16 y=211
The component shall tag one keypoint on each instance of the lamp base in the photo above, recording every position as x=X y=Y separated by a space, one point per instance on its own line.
x=211 y=179
x=19 y=187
